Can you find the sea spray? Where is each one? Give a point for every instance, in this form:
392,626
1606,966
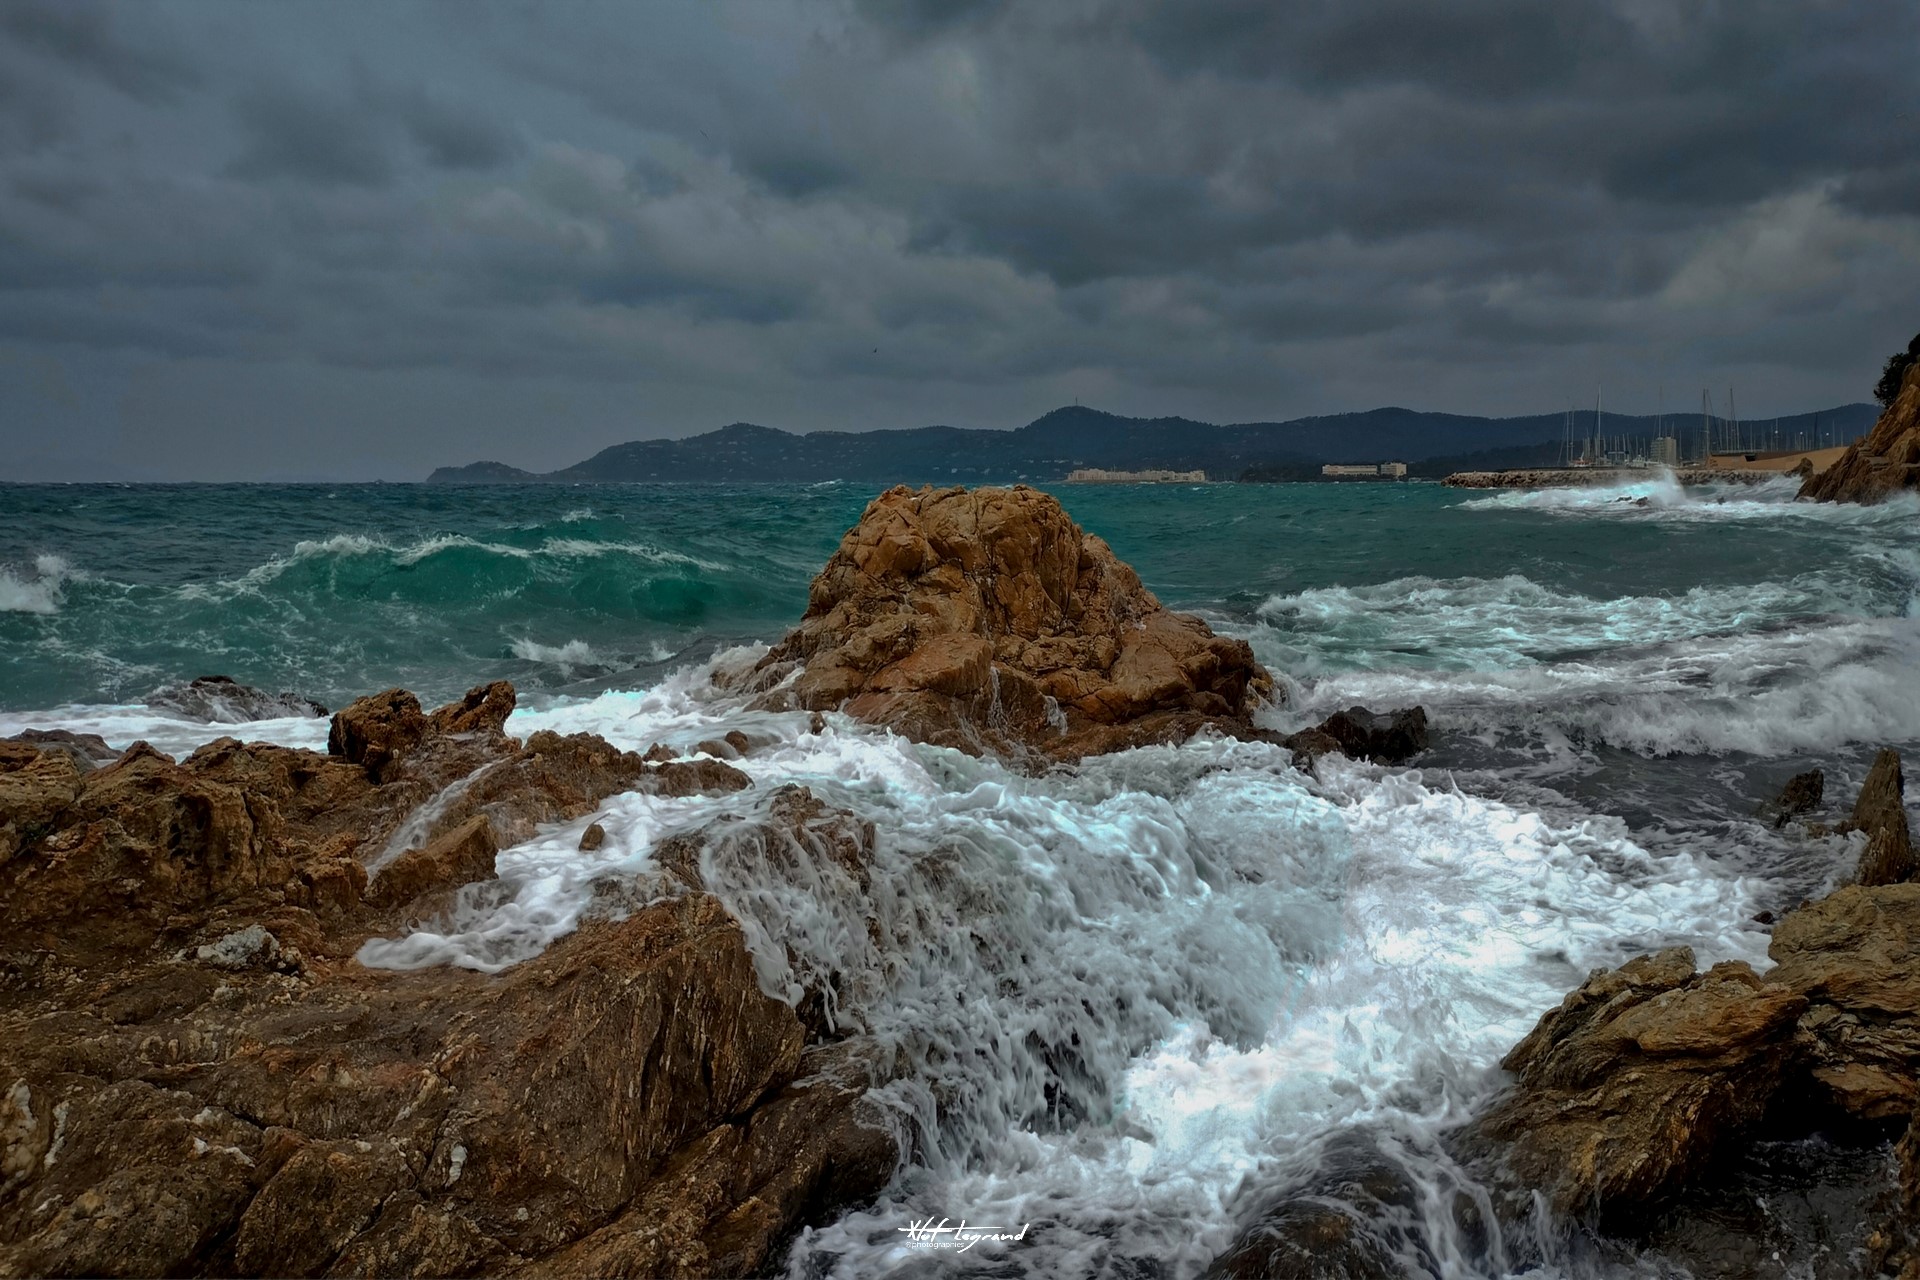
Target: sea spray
1121,997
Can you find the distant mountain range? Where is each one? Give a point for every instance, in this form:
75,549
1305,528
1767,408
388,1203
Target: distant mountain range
1047,448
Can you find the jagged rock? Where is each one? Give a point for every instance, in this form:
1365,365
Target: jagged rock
1855,955
989,621
87,750
1881,812
377,730
224,700
1886,462
195,1078
1802,794
629,1090
1360,734
1636,1082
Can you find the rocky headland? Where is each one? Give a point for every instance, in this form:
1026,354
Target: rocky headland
1887,460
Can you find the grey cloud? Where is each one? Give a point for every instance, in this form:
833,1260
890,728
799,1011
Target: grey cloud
875,214
292,133
85,38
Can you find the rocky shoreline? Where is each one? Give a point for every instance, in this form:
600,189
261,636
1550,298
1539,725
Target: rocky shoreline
1886,461
198,1078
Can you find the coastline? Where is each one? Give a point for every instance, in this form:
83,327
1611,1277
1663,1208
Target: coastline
445,812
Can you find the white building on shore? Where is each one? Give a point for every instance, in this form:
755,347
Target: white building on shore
1364,470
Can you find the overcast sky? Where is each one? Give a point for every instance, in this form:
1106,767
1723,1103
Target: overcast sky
305,240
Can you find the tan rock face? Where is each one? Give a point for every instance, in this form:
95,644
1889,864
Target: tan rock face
1886,462
987,620
196,1079
1647,1073
1638,1079
1856,955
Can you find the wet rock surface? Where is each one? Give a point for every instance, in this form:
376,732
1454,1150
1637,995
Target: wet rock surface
1800,796
224,700
1359,734
1881,813
1663,1105
987,620
197,1079
1638,1081
1362,1217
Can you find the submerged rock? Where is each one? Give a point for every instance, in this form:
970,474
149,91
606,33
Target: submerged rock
989,621
1361,1217
224,700
1801,795
1360,734
1881,812
88,750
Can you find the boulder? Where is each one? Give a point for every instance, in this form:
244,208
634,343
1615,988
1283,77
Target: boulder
377,730
1885,462
1881,813
1635,1083
987,620
224,700
1360,734
88,750
1855,955
1801,795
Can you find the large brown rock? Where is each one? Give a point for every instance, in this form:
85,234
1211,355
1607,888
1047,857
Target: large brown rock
1637,1081
987,620
1855,955
1885,462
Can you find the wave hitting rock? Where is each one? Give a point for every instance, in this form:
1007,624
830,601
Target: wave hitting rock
988,620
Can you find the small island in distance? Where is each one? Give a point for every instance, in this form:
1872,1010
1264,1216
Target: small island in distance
1076,438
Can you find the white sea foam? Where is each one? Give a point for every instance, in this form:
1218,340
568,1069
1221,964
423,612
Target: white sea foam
125,724
37,590
1771,693
1512,621
1659,497
1124,993
574,655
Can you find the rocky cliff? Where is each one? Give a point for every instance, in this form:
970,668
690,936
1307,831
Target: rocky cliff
197,1079
1886,462
988,620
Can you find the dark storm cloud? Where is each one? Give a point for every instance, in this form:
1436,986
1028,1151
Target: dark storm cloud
537,231
85,40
